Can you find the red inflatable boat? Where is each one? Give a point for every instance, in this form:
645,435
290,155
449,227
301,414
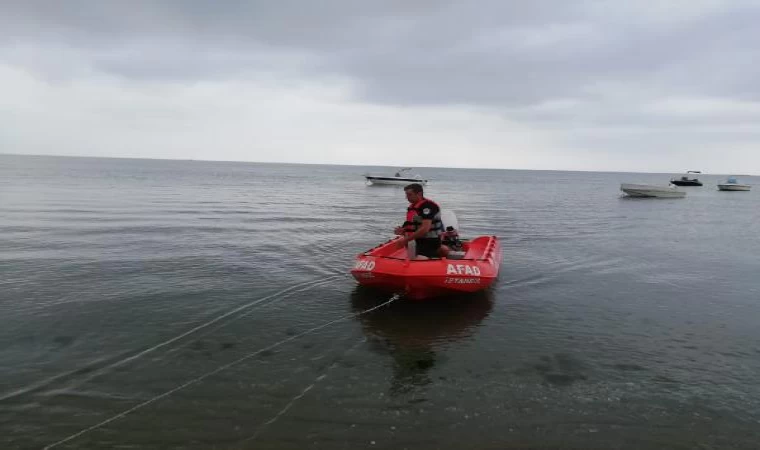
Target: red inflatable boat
389,268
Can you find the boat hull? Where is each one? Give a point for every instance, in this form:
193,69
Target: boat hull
647,191
387,268
734,187
394,180
686,183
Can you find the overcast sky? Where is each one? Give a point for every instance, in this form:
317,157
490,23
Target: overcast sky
660,86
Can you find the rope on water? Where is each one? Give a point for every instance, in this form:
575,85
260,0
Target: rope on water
299,396
217,370
279,295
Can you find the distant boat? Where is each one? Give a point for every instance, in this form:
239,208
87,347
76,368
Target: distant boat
651,191
732,184
399,178
687,180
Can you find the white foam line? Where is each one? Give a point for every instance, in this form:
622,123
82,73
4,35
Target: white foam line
215,371
290,404
282,294
301,289
43,383
300,396
308,284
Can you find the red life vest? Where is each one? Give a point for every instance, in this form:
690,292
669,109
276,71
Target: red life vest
410,226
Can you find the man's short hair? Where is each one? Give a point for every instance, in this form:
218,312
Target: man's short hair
414,187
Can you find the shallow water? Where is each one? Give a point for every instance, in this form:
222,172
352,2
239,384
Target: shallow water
185,304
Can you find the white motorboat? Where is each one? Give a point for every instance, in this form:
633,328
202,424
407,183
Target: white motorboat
399,178
651,191
732,184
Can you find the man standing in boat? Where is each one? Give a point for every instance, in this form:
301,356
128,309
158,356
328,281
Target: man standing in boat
423,224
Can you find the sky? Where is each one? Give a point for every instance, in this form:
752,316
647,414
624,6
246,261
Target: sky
608,85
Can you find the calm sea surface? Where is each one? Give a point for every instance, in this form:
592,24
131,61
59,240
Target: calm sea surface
181,304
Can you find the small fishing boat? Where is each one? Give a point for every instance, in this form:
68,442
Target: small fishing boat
732,184
689,179
402,177
389,268
651,191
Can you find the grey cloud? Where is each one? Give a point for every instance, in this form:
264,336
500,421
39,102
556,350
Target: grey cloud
676,60
509,56
344,36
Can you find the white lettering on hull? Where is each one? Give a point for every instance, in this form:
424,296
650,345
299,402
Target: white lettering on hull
364,264
462,281
462,269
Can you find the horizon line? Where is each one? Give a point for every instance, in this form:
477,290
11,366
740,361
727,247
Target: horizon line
356,165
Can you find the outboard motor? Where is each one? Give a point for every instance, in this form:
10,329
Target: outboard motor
450,238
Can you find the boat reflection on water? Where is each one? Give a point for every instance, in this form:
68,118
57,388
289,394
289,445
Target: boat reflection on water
412,333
